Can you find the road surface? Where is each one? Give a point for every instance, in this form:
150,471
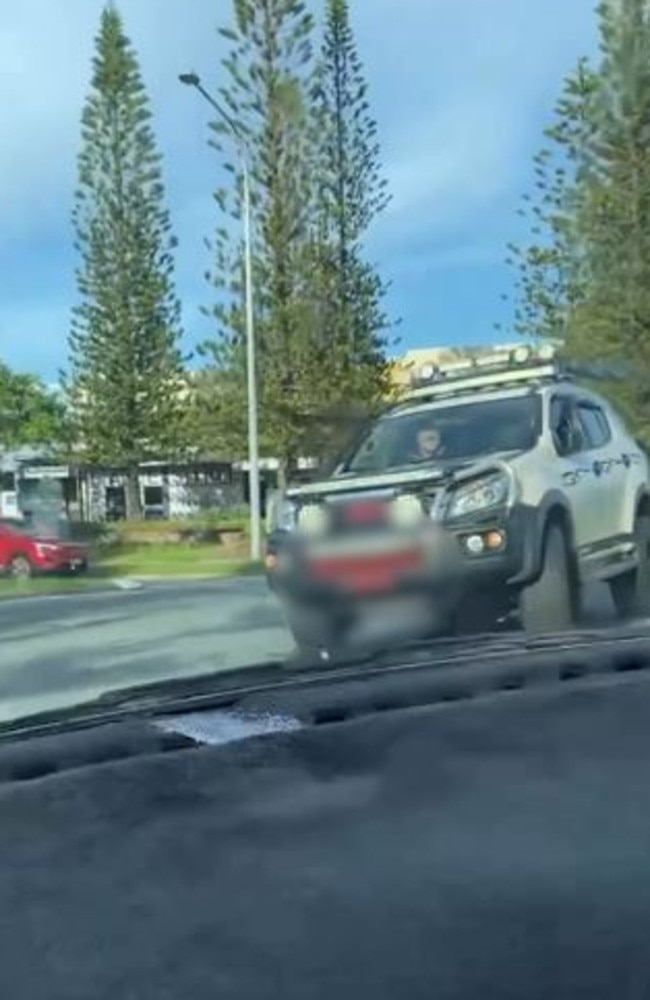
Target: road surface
60,649
56,648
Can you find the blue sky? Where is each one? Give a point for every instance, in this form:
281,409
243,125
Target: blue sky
461,90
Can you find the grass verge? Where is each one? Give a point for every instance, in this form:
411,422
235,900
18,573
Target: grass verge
172,560
49,585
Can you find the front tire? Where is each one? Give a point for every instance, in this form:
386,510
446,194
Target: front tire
631,591
551,603
314,629
482,613
20,568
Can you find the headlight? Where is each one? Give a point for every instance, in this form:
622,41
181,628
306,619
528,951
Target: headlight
282,514
481,494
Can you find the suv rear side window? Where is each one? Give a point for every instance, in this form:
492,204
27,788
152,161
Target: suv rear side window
568,433
595,425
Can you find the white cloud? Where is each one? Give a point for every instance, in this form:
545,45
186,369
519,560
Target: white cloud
462,99
447,167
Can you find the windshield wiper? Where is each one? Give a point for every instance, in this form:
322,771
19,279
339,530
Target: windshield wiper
225,689
222,688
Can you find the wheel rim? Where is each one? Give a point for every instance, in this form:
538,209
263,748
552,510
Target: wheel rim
20,568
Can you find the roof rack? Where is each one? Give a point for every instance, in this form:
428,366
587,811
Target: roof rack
517,367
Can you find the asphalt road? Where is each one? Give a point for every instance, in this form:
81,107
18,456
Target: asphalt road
54,650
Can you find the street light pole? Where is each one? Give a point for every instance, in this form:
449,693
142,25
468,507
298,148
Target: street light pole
192,80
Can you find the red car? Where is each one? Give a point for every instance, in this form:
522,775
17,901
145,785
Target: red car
25,552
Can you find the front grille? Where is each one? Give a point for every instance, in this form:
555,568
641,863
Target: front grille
359,515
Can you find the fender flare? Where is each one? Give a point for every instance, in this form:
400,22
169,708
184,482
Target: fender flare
553,505
641,499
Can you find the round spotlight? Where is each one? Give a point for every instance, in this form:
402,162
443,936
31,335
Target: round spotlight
474,544
406,510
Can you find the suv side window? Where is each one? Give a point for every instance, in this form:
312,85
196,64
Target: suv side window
595,425
567,432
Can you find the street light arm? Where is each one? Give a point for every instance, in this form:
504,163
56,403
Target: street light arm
232,125
194,80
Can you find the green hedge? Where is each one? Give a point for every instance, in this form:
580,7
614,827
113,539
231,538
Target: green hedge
229,534
206,527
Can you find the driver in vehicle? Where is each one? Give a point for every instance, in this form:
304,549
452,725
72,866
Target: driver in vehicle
428,445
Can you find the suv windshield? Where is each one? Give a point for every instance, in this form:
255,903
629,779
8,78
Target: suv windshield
454,432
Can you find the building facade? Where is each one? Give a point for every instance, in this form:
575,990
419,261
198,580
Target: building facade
93,493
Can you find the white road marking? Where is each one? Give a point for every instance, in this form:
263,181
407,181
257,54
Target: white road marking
127,583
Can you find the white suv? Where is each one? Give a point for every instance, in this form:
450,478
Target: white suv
492,485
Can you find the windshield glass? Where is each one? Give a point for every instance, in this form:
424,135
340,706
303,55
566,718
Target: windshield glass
448,433
214,290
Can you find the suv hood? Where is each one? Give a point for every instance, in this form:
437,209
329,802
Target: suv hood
438,473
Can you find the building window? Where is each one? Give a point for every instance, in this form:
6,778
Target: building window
153,496
115,503
70,491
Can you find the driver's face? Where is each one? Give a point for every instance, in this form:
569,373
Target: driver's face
428,442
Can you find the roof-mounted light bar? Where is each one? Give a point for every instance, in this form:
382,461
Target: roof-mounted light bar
523,364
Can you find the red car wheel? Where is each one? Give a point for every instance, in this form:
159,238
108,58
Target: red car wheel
20,568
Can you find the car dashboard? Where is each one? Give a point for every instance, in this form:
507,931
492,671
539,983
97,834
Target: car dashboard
478,830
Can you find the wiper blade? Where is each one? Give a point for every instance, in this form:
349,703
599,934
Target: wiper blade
426,651
216,682
225,689
222,687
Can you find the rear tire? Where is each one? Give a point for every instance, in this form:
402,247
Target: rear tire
631,591
551,603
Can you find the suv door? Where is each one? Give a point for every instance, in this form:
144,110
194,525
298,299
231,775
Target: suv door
586,491
607,465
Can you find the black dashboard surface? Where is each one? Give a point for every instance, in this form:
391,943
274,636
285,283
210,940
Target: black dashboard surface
498,850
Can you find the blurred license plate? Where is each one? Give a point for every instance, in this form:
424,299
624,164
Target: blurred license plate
367,573
373,545
393,617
